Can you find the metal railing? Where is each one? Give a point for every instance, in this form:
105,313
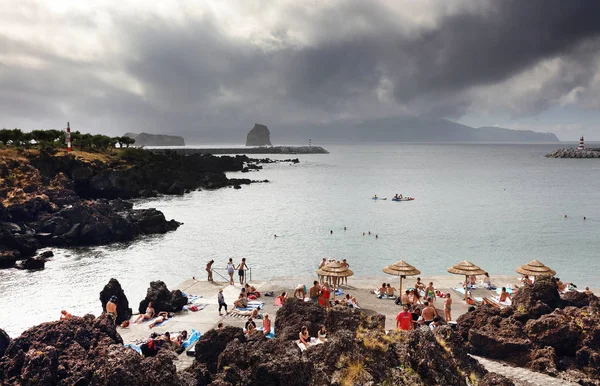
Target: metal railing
225,275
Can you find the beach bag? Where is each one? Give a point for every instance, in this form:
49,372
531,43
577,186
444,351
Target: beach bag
194,308
470,301
252,297
269,293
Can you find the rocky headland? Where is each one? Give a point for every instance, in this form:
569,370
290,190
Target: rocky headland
248,150
542,330
145,139
59,199
574,153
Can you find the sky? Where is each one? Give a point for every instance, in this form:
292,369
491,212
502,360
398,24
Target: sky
210,69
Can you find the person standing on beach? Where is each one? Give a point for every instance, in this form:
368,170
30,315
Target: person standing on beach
404,319
221,299
448,308
345,278
111,309
230,270
314,292
428,313
209,270
241,270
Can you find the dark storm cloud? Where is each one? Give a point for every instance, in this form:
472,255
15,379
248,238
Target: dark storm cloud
193,76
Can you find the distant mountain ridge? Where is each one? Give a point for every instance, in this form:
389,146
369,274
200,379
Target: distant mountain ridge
407,129
145,139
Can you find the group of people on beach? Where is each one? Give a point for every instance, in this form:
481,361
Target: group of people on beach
241,268
422,312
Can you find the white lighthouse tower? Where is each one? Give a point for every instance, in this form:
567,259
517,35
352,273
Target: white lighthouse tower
581,147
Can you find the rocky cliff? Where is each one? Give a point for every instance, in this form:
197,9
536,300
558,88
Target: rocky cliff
145,139
258,136
544,331
75,199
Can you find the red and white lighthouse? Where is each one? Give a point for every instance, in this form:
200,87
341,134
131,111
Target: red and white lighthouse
581,147
68,137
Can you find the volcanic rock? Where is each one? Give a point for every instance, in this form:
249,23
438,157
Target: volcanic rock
259,136
4,341
537,300
297,313
211,344
162,299
113,288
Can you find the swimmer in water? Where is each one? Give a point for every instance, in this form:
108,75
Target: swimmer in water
369,233
376,236
331,232
275,236
344,228
565,216
584,218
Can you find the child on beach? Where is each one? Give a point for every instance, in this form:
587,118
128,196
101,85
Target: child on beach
221,300
430,291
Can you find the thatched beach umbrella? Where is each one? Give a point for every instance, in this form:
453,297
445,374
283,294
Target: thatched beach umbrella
466,268
334,270
535,268
402,269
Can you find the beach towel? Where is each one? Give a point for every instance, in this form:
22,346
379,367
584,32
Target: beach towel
271,333
385,297
192,299
193,338
460,290
313,342
135,347
338,292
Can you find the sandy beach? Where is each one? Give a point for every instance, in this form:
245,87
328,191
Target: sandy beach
359,287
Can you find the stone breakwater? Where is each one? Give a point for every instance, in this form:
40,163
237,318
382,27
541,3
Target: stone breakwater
252,150
574,153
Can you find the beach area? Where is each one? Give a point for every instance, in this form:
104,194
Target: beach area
360,288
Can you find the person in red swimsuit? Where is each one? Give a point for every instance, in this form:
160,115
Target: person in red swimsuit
404,319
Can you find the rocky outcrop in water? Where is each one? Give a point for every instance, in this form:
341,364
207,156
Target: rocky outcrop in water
542,331
63,200
162,299
82,351
359,352
113,288
258,136
574,153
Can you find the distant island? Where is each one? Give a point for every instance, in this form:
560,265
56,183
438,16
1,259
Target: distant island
407,129
145,139
259,136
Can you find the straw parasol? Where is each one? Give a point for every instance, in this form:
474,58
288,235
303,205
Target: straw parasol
535,268
401,268
334,270
466,268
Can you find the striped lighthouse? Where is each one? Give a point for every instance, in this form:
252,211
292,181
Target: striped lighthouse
68,138
581,147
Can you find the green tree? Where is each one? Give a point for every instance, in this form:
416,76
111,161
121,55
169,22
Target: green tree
127,141
5,136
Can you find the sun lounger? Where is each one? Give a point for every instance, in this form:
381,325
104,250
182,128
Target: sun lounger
494,302
384,297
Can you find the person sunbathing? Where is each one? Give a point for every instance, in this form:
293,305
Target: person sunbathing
252,314
162,316
504,295
266,324
281,299
322,334
588,291
389,291
304,337
560,285
182,337
65,315
487,282
250,326
241,302
526,280
148,315
251,290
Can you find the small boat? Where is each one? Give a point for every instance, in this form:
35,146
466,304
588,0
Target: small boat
403,199
379,198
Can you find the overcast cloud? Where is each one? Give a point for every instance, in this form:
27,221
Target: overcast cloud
208,69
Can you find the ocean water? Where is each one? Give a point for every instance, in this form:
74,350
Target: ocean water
498,206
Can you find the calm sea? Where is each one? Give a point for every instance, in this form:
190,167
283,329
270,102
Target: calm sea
498,206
